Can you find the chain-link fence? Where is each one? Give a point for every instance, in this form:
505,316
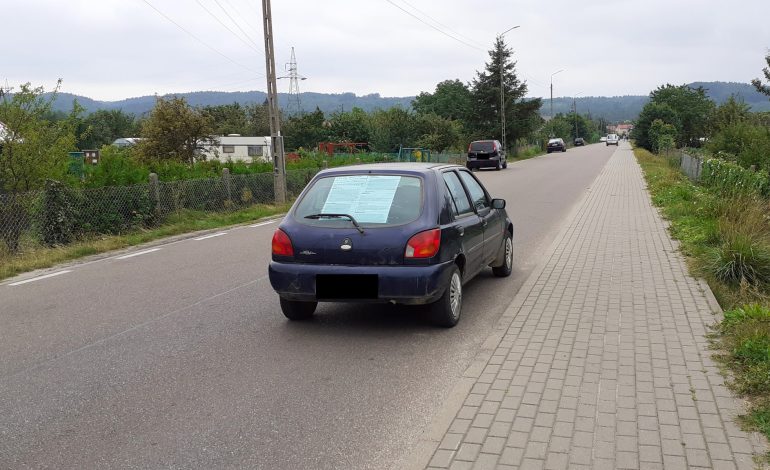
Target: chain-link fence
60,214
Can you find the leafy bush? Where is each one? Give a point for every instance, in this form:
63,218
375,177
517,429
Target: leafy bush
745,143
114,210
731,179
116,167
58,214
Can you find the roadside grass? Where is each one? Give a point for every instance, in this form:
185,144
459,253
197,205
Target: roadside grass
36,256
726,239
527,153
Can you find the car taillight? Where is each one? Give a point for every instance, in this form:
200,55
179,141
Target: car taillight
424,244
282,244
469,147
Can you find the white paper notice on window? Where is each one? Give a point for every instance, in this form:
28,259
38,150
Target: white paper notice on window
366,197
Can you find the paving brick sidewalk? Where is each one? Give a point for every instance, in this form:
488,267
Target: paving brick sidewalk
601,361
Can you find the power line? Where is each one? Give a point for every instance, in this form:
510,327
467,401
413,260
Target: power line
250,46
433,27
441,24
237,25
200,40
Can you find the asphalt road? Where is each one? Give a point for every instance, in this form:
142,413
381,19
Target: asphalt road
180,357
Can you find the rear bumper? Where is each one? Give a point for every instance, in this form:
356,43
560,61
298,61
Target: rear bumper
412,285
483,163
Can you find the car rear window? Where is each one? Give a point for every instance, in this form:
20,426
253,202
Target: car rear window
373,200
482,146
554,141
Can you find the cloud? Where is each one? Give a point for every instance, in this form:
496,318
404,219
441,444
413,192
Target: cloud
114,49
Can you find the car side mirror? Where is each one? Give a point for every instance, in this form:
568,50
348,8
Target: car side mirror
498,203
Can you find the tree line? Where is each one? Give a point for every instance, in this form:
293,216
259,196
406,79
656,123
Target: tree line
37,139
684,116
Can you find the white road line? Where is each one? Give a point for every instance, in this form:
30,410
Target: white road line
40,277
138,253
263,223
218,234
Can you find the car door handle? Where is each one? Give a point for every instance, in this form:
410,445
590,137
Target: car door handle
461,230
484,223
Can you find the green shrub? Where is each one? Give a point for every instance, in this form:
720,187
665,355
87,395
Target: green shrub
116,168
114,210
747,144
58,213
731,179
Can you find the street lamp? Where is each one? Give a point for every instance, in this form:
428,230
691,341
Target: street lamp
558,71
502,87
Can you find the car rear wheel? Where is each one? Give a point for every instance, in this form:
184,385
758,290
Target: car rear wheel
297,310
505,164
446,310
498,166
507,266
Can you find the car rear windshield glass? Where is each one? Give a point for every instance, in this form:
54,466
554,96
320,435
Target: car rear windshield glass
483,146
372,200
554,141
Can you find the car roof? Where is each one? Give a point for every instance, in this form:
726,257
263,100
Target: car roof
392,167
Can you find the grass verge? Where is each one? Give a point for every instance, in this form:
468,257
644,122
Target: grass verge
34,256
726,239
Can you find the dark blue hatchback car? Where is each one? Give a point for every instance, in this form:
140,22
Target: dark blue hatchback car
406,233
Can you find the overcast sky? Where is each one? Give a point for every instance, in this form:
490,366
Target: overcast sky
115,49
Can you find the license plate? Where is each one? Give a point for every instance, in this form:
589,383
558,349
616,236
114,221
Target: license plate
346,286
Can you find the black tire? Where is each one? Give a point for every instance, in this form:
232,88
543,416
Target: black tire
297,310
507,267
498,166
505,164
565,149
446,310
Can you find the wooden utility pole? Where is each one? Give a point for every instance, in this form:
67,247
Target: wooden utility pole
273,111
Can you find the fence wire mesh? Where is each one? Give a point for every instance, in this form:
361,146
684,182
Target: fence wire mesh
60,214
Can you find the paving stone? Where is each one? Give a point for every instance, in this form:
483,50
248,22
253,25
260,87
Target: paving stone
603,360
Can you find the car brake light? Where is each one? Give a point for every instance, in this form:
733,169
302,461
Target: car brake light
424,244
282,244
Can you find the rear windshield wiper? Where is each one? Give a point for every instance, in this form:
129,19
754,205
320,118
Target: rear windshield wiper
336,216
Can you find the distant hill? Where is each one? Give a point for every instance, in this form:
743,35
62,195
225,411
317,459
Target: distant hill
328,103
613,109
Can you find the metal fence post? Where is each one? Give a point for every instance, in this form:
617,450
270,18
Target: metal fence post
226,181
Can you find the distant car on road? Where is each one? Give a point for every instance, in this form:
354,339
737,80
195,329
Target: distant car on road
603,138
579,141
556,144
486,154
612,139
405,233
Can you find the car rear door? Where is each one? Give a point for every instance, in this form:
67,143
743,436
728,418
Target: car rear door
491,219
468,222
